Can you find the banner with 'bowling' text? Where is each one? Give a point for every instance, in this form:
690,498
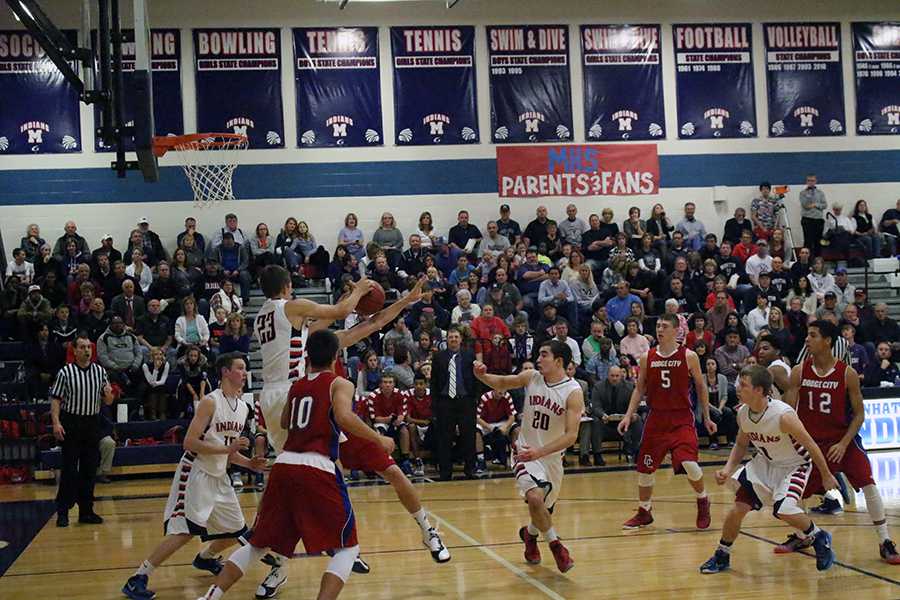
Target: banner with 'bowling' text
577,170
805,79
876,58
531,96
239,83
714,80
434,85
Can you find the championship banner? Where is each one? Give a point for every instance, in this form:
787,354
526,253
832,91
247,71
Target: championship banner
165,61
714,80
876,60
623,90
531,95
805,80
39,110
239,84
577,170
338,87
434,85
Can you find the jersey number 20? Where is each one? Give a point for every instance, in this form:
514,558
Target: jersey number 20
541,421
301,412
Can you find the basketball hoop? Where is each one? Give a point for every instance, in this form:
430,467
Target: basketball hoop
208,160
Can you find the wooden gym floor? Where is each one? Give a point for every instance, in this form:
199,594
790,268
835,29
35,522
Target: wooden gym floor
479,521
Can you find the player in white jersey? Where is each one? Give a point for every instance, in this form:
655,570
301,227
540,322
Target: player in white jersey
769,353
553,407
777,475
201,500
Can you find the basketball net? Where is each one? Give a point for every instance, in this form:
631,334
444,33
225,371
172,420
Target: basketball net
208,161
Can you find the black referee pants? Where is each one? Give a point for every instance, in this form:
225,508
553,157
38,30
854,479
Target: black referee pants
448,415
80,458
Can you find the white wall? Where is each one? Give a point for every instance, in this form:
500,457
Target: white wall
326,214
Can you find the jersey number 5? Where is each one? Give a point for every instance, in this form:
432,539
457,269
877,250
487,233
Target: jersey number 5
301,412
664,379
824,402
265,327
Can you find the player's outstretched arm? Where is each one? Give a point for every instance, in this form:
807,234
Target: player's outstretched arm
791,424
193,441
693,363
300,308
791,396
501,383
342,405
640,389
854,394
574,410
378,321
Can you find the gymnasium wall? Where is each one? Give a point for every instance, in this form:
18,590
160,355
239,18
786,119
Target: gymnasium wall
321,185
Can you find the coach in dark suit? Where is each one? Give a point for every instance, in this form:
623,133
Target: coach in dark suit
129,305
454,393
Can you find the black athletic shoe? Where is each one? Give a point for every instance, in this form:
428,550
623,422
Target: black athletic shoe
213,565
136,588
720,561
90,519
62,520
824,554
828,507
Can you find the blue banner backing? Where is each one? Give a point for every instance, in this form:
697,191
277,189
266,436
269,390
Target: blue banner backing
714,80
434,85
239,83
805,79
165,59
531,91
338,87
623,89
876,61
39,110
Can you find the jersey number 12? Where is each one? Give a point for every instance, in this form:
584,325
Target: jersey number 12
824,402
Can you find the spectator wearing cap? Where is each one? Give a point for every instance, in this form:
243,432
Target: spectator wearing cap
829,308
732,355
152,244
34,311
843,289
106,249
812,214
190,228
736,226
763,211
231,226
861,302
235,262
461,233
32,242
20,268
507,226
71,233
883,368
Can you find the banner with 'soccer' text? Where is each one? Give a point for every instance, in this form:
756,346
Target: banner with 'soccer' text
165,59
577,170
623,90
805,79
876,58
239,83
338,87
714,80
531,96
434,85
39,110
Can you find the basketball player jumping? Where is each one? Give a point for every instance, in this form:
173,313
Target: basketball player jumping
202,501
665,378
826,394
777,475
282,328
553,407
306,498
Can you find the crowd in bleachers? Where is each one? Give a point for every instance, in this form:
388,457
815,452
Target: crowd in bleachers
158,316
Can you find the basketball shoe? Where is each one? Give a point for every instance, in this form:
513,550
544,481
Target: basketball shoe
532,552
564,562
272,583
641,519
433,542
824,554
720,561
793,543
703,518
888,552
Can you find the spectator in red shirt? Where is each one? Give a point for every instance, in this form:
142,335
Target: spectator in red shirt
497,356
485,327
745,248
698,331
387,411
418,416
496,427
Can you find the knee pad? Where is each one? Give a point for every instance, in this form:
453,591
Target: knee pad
341,564
646,479
787,506
693,470
243,556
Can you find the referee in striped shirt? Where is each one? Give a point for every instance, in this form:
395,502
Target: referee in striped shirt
75,409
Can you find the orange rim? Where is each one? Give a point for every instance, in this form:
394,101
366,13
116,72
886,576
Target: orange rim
167,143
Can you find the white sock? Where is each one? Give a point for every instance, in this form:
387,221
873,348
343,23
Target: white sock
645,505
421,518
532,530
701,494
550,535
833,495
812,531
214,593
205,553
146,568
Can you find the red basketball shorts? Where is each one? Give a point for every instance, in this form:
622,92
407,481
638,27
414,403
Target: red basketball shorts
360,454
664,435
855,466
304,503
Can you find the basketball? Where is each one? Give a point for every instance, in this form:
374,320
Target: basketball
372,302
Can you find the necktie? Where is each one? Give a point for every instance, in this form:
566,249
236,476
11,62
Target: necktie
451,387
129,312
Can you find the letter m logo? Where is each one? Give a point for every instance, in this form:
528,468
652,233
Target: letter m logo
717,122
893,118
625,124
240,129
339,129
531,125
437,127
35,136
806,120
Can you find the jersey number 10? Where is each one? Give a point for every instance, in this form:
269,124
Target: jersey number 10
301,412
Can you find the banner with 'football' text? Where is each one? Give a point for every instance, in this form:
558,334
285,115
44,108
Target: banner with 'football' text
577,170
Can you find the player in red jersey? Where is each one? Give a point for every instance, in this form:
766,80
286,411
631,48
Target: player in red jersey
665,378
826,394
387,413
496,426
306,497
418,416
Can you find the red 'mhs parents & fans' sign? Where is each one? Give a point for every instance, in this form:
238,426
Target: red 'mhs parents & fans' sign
578,170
